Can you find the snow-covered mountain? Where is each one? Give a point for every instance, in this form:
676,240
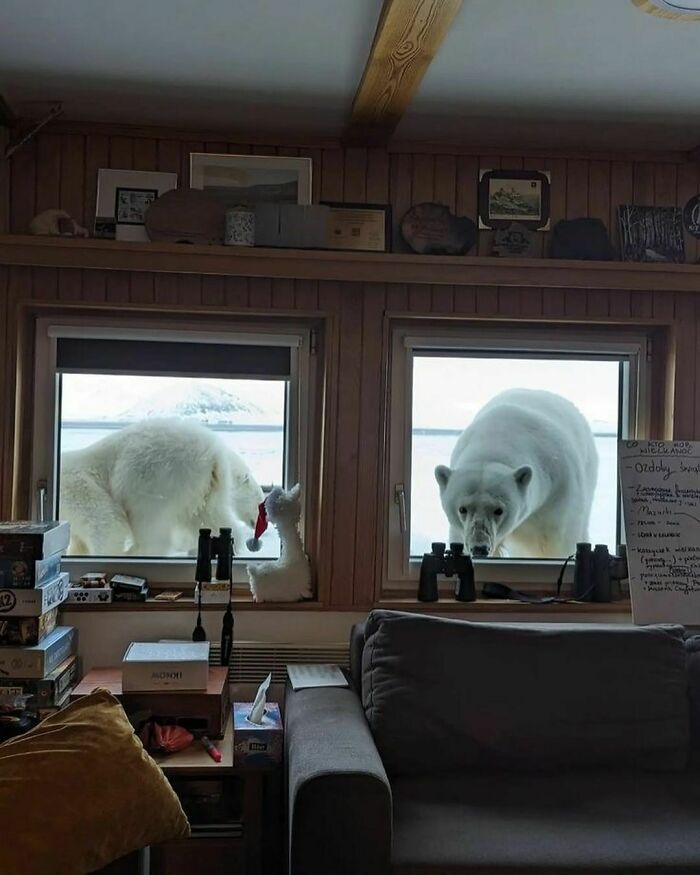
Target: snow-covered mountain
113,398
203,403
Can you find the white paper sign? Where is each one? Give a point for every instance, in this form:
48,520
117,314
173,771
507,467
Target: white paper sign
660,483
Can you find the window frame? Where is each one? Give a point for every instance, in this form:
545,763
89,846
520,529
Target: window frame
400,572
300,437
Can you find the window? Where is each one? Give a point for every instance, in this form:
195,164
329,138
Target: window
158,431
439,384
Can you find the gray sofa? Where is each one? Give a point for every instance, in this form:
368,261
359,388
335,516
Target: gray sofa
487,748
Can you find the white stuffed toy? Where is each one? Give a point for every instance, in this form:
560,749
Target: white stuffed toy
289,578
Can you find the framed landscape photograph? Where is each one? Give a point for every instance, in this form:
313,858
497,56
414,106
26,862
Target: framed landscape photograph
123,196
235,180
507,196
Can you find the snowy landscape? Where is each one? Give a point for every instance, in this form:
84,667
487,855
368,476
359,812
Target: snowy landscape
448,391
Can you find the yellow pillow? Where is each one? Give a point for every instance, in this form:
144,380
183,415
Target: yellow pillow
79,791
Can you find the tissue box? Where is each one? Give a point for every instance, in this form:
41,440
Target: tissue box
257,744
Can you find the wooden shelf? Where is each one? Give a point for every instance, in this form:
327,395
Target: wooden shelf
346,266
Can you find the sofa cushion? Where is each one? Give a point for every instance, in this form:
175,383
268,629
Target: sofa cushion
445,694
78,792
578,822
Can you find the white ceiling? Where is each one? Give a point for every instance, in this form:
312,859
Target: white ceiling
512,73
563,72
218,64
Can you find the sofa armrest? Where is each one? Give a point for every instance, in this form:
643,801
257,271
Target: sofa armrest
338,792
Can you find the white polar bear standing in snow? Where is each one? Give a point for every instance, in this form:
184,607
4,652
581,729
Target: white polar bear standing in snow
146,490
522,477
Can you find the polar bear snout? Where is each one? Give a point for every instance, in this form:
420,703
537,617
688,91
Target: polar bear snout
478,538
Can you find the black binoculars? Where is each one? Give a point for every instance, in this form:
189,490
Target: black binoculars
219,547
448,563
597,574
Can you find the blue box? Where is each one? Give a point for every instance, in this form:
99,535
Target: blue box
257,744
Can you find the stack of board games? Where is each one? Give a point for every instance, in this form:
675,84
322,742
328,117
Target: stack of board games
37,657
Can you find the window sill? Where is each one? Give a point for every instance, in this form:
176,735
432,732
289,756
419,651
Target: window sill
503,606
187,603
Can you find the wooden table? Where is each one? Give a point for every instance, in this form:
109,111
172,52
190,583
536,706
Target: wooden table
235,843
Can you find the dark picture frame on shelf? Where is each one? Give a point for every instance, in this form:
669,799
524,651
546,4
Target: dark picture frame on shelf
651,234
130,204
507,196
359,227
123,197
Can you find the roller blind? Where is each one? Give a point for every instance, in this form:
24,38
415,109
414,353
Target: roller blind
75,355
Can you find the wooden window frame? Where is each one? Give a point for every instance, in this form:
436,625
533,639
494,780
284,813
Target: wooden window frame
399,573
303,405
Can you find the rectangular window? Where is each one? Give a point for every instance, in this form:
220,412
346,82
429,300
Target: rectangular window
537,418
157,432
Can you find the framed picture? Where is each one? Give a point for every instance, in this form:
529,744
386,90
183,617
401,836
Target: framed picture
362,227
130,204
507,196
652,234
123,196
235,180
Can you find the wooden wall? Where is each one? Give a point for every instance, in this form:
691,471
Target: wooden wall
60,169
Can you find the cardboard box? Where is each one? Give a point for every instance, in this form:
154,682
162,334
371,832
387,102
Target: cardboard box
204,712
46,692
19,573
214,592
166,665
27,631
292,225
40,660
257,744
34,602
24,539
89,595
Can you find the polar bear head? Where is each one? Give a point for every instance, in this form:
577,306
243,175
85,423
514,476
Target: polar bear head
485,502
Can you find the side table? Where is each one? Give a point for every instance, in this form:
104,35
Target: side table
235,812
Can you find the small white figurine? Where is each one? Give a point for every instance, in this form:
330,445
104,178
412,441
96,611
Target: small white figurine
289,578
56,223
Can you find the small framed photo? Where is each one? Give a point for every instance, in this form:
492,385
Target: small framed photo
507,196
361,227
123,196
236,180
130,204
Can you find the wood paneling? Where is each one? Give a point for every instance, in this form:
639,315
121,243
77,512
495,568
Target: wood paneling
59,169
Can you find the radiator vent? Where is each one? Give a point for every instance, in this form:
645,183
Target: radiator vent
251,661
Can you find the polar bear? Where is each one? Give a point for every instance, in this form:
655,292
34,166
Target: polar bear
147,489
522,477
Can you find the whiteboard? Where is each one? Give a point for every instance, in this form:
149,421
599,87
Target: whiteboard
660,482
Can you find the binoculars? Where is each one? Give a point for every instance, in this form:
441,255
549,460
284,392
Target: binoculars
447,562
597,574
219,547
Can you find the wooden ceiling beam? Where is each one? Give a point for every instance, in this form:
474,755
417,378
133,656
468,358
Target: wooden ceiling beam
409,35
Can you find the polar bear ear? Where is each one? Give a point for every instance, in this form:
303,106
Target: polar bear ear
523,476
442,475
